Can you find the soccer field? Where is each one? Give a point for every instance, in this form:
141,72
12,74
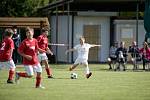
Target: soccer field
102,85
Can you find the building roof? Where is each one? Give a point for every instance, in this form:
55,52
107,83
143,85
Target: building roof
97,5
34,22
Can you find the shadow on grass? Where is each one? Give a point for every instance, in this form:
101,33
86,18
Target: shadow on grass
55,78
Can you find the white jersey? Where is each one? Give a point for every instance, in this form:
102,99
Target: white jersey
83,50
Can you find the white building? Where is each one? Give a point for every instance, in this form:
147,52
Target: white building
98,27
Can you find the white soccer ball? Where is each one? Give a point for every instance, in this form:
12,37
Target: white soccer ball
74,76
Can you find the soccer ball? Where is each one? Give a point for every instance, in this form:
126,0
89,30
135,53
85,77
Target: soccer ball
74,76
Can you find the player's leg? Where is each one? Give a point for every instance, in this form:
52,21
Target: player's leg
76,63
73,67
47,68
87,70
144,63
109,62
11,66
14,56
27,74
38,70
44,59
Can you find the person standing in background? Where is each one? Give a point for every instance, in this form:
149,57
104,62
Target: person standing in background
17,40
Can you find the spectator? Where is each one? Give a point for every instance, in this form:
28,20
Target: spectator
121,53
145,51
17,40
135,54
112,54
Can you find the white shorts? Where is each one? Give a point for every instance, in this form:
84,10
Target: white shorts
8,64
81,61
30,69
42,56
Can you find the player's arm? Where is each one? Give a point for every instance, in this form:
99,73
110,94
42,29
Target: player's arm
95,45
20,51
48,51
37,46
70,50
11,53
41,50
24,55
11,47
18,37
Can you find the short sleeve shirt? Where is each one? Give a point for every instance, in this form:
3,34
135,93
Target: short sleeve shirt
83,50
5,49
42,42
29,47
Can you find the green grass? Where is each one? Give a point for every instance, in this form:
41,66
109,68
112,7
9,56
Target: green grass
103,85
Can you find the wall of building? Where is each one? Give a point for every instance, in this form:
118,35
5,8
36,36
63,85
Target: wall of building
61,37
104,22
130,24
126,30
77,22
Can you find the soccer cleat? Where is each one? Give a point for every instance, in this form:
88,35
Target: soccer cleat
50,76
88,75
70,69
110,68
10,81
17,78
41,87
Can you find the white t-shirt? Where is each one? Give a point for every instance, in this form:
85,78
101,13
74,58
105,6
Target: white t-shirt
83,50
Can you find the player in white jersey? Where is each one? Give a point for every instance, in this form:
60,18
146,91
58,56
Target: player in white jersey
83,51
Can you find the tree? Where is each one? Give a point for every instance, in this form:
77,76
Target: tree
21,8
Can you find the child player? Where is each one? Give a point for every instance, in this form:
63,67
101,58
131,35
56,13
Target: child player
43,44
6,50
28,49
83,51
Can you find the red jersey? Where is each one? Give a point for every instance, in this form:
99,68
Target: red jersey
145,53
5,49
29,47
42,42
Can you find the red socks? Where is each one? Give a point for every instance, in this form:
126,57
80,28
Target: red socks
11,74
38,81
48,70
22,74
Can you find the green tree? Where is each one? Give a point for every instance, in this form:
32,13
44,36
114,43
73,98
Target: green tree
21,8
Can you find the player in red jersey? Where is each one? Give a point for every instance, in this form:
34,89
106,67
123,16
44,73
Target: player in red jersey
43,44
28,49
6,50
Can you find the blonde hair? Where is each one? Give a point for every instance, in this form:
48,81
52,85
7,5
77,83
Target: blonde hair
82,38
28,29
9,32
146,44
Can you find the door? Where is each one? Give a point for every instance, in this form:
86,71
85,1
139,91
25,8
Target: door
128,36
91,34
